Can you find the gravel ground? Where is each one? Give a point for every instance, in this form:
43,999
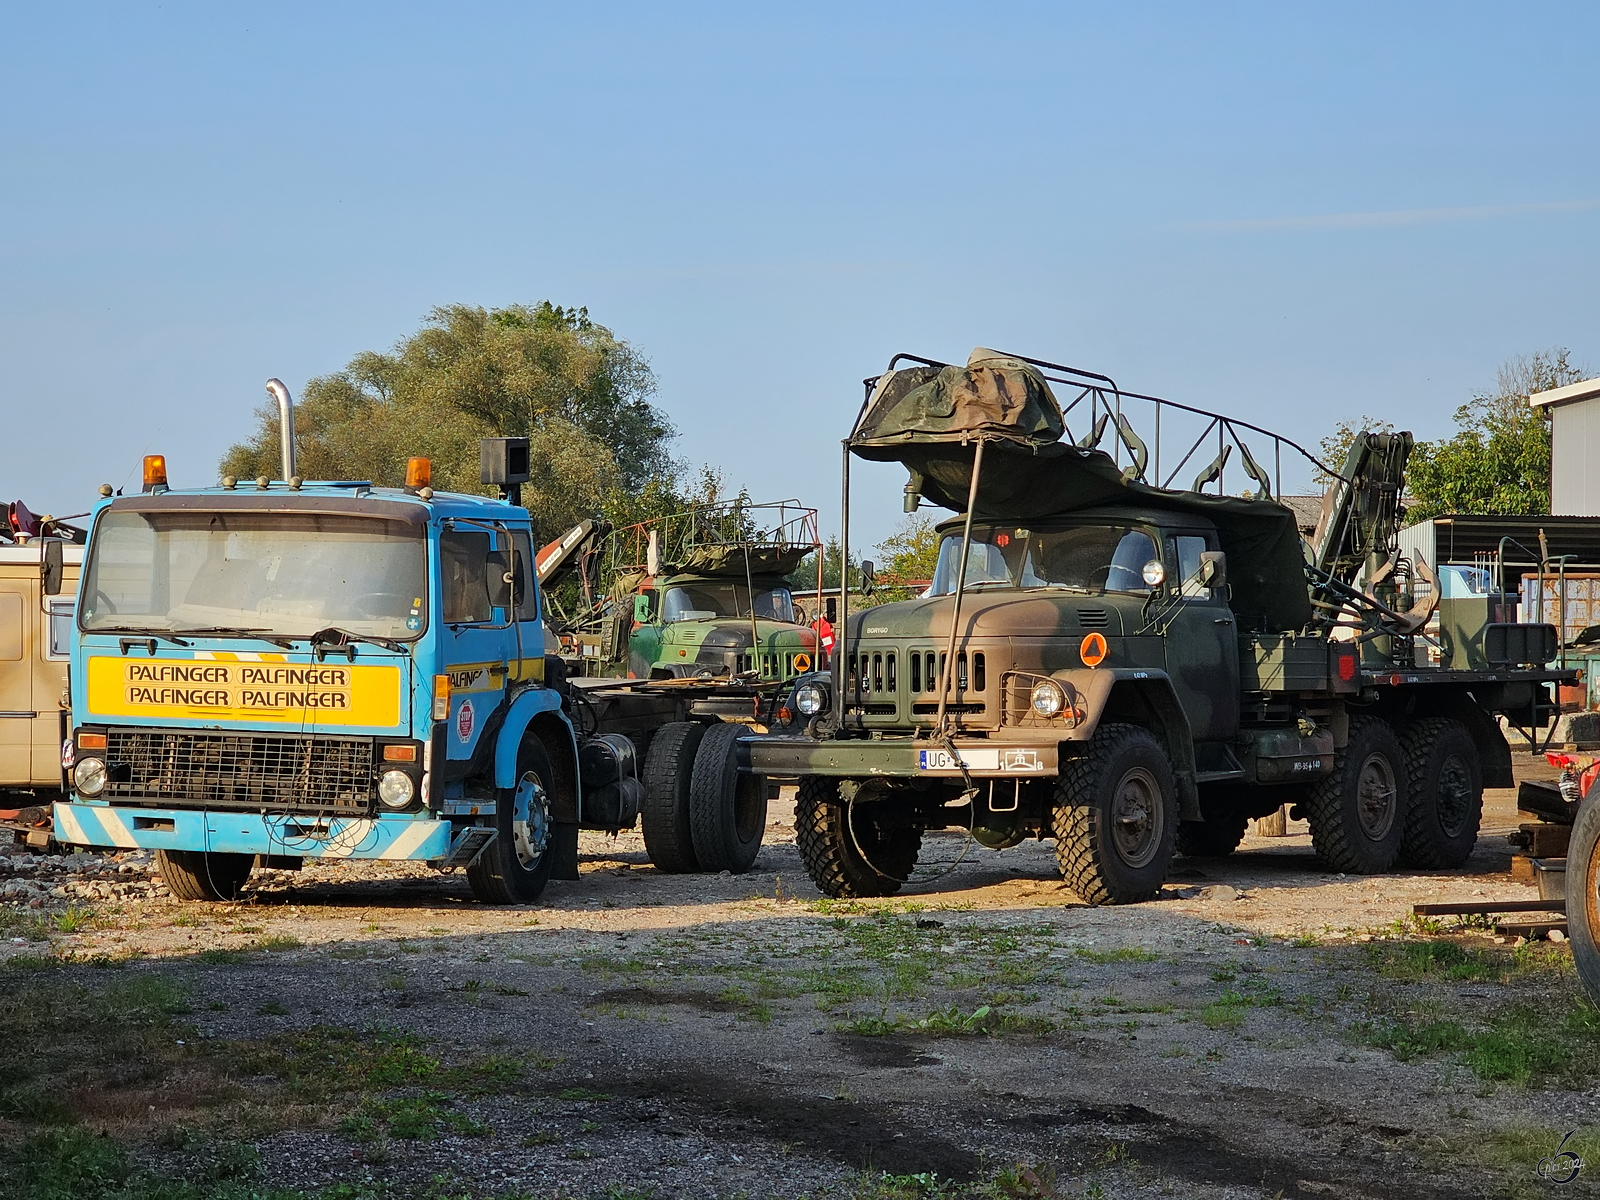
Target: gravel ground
722,1036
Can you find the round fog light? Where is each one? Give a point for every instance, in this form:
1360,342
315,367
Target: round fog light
395,789
1048,699
810,699
89,776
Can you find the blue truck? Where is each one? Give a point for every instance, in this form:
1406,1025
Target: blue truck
273,670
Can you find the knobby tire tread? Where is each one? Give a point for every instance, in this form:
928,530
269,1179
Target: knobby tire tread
828,854
1419,847
1078,851
1330,839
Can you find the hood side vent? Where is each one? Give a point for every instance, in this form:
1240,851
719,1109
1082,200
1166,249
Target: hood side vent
1093,618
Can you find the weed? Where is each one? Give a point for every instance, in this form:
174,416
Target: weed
1522,1044
272,1008
952,1022
583,1094
74,919
1226,973
278,941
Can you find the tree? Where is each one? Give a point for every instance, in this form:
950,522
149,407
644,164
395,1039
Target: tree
1498,462
597,445
911,552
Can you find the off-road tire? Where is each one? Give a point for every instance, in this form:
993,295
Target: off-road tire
1215,837
201,875
498,875
1124,768
1583,894
1444,793
727,807
664,811
1334,807
882,864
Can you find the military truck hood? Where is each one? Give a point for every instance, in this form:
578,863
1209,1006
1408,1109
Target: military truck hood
735,635
996,613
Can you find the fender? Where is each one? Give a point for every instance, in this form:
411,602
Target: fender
527,705
1144,696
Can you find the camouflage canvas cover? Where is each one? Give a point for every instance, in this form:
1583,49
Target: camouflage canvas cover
729,561
1029,474
992,396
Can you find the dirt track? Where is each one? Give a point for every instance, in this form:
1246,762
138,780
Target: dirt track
738,1035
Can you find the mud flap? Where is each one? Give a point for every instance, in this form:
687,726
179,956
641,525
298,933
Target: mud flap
564,850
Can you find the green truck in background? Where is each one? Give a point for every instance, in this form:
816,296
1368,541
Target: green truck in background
680,635
1131,669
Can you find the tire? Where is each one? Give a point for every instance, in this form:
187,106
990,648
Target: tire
664,811
1215,837
1583,899
514,868
848,848
1358,814
1444,794
727,807
201,875
1115,817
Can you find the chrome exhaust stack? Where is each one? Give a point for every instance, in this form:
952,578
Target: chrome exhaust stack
278,392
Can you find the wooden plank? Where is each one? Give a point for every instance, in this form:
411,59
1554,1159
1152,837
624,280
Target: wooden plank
1485,907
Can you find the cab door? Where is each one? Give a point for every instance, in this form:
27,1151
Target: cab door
1202,641
478,640
18,634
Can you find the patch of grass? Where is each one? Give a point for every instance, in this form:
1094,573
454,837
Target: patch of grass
1525,1146
925,1185
582,1094
1120,955
278,941
272,1008
1436,959
1522,1044
422,1117
952,1022
1226,1012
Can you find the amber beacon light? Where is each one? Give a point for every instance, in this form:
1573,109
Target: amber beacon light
419,473
155,471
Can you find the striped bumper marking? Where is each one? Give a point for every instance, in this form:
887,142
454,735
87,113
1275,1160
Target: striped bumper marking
252,833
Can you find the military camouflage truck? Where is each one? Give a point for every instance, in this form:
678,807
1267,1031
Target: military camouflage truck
1132,669
680,634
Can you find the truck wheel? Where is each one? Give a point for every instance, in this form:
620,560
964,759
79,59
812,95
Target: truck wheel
1583,894
1358,814
727,807
849,850
1445,793
664,812
1215,837
514,868
1115,818
200,875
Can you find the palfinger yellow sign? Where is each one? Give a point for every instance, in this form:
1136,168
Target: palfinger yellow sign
235,690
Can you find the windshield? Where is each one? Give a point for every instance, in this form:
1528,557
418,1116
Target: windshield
1091,558
285,575
707,601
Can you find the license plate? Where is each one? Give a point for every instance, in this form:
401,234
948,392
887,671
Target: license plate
980,759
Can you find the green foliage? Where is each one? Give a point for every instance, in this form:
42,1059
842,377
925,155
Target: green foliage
580,394
1522,1044
910,553
1335,448
1499,460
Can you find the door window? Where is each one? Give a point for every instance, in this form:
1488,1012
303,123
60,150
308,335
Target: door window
60,644
463,563
1185,549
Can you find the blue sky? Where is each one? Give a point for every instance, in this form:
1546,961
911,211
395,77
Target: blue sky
1293,213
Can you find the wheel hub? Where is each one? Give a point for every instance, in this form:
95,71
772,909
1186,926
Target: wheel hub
1137,817
1375,797
530,822
1455,796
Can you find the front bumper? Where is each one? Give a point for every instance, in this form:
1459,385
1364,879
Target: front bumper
779,754
251,833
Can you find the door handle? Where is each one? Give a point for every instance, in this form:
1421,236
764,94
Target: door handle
1222,620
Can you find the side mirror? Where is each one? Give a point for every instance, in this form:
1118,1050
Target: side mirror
832,610
52,570
869,577
501,578
1213,568
643,608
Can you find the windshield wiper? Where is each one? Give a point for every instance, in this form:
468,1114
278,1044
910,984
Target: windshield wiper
160,634
335,637
262,635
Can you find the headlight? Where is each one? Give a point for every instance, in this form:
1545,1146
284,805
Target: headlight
395,789
810,699
89,776
1049,699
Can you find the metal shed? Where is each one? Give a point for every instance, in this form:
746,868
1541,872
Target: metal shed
1574,445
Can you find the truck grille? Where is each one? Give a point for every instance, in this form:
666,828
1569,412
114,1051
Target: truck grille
233,770
876,683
